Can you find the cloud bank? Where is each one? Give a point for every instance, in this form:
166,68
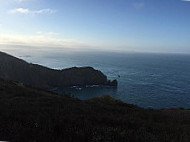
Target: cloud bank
39,40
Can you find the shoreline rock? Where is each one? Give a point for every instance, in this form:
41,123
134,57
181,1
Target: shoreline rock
113,83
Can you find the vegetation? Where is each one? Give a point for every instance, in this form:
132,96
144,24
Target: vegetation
30,114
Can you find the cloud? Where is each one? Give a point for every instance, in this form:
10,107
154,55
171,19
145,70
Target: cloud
19,0
27,11
39,40
138,5
19,10
186,0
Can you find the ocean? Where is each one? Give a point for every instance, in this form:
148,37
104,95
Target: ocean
149,80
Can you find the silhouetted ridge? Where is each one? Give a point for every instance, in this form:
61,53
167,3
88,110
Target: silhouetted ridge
35,75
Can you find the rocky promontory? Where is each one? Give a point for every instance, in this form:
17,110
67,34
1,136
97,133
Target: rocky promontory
15,69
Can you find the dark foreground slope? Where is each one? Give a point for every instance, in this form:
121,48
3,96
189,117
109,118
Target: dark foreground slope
33,115
12,68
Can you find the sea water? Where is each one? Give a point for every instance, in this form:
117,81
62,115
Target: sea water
146,79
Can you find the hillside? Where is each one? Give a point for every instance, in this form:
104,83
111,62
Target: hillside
12,68
27,114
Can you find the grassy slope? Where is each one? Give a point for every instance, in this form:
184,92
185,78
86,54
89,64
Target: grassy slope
28,114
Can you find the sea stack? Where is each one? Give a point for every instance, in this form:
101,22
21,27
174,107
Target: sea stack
113,83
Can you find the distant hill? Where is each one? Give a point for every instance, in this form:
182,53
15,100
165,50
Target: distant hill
30,115
12,68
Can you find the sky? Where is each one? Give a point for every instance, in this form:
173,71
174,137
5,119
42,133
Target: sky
123,25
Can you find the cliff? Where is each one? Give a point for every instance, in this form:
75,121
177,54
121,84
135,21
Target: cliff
12,68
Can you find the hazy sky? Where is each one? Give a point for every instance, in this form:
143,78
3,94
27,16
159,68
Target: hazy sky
131,25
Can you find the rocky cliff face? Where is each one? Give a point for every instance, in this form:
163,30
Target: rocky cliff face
12,68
